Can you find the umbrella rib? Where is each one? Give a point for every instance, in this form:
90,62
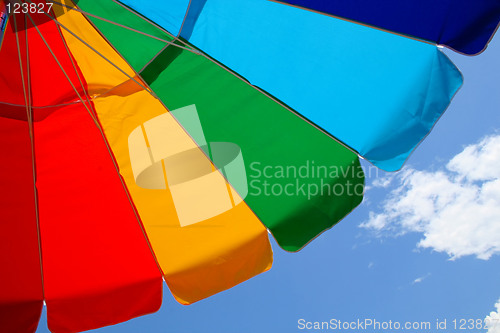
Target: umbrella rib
110,152
186,46
59,64
96,122
30,127
201,53
76,71
143,84
159,100
177,38
93,49
97,52
238,76
122,26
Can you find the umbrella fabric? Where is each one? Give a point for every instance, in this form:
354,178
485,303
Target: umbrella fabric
377,92
97,231
465,26
150,140
226,249
21,292
88,243
256,125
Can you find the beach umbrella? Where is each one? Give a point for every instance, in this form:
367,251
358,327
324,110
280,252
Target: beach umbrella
144,140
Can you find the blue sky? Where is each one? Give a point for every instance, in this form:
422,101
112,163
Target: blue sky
424,245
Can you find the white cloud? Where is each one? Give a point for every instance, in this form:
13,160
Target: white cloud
457,209
487,152
383,182
420,279
493,320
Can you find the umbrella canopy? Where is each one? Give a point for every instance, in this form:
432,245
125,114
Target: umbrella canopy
144,141
464,26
